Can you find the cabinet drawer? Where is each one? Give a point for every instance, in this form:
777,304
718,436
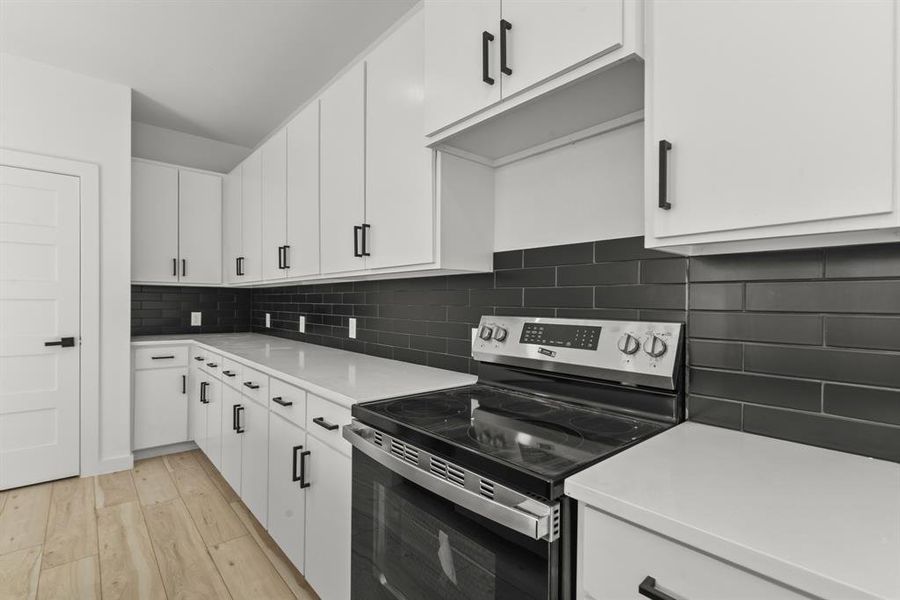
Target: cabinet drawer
232,373
288,401
212,364
324,420
615,557
160,357
255,385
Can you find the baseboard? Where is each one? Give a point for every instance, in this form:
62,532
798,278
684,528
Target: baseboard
163,450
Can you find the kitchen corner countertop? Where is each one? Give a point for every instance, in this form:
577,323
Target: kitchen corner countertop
821,521
337,375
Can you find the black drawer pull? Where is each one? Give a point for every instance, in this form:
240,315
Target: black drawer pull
281,401
238,426
664,147
203,399
184,384
66,342
356,230
212,365
251,385
228,373
301,459
365,245
162,357
184,267
239,266
287,263
648,590
199,358
321,422
174,267
486,39
504,64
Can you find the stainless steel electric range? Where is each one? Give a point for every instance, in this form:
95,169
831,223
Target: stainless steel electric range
458,494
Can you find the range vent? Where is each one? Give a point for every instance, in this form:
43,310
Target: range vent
456,475
404,452
486,488
438,467
379,439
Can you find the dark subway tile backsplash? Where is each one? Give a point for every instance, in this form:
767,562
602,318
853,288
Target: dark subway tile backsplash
799,345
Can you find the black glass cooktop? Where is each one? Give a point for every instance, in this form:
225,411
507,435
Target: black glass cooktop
484,424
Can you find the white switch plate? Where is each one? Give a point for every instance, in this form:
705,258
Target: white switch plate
302,324
196,319
352,327
268,320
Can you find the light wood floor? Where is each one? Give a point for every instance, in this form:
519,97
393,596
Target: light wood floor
170,528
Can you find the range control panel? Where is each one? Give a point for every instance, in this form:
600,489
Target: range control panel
636,352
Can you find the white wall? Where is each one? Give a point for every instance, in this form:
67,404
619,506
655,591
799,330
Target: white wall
50,111
591,190
170,146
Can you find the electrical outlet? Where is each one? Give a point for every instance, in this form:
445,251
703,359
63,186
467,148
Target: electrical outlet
352,327
302,324
196,319
268,320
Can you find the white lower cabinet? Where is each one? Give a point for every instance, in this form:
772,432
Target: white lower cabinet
160,410
254,422
328,520
287,494
616,558
232,403
212,409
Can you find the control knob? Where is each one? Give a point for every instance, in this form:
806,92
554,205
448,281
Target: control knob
628,344
500,334
655,346
486,333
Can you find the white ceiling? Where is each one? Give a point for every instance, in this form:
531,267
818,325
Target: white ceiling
229,70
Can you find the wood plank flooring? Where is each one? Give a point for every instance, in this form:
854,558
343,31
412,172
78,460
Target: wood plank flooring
171,528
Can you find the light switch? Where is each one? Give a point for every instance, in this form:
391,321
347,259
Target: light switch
268,320
302,324
196,319
352,327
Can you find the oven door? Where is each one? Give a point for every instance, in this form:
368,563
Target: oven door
414,543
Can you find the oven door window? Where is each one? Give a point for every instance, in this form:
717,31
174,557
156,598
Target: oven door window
411,544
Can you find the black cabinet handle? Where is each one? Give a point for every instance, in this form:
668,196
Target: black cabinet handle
162,357
664,147
183,267
238,427
287,264
365,244
184,384
321,422
282,401
356,229
302,476
251,385
504,27
228,373
66,342
234,408
280,260
212,365
203,399
199,358
648,590
239,265
486,39
174,267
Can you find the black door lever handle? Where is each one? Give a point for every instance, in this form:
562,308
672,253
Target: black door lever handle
66,342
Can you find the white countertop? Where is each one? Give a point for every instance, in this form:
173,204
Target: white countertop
823,521
337,375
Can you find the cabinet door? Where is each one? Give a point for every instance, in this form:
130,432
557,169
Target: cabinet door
213,408
328,520
197,409
231,438
454,82
231,226
251,222
200,227
287,500
273,157
343,170
771,119
399,198
255,459
154,223
547,37
160,407
303,193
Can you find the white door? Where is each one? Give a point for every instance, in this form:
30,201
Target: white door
255,459
200,227
328,520
160,407
231,227
39,304
546,37
154,223
273,158
455,82
776,112
287,499
343,172
302,253
232,403
213,409
399,197
251,211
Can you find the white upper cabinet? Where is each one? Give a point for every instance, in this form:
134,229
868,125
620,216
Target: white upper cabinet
343,173
154,223
273,155
301,254
399,195
769,120
200,227
231,227
545,37
462,53
251,212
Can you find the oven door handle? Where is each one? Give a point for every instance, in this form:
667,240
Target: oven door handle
537,522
